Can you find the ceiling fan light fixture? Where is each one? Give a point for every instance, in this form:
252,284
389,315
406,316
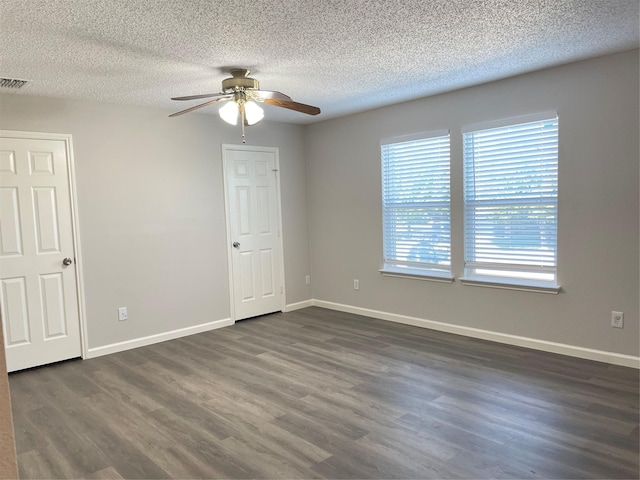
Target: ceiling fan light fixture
229,112
240,92
253,113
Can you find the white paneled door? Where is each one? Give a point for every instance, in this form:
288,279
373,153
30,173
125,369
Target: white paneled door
253,222
38,296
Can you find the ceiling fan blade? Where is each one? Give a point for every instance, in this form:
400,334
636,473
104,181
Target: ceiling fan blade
291,105
227,97
268,94
197,97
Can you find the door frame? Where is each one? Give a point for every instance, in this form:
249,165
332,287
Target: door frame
75,224
227,218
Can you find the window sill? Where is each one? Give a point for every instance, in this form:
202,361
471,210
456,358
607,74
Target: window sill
417,274
511,284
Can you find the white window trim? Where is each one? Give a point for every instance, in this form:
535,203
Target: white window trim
415,136
509,283
504,122
437,273
417,274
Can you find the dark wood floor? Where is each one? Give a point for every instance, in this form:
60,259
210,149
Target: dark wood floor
321,394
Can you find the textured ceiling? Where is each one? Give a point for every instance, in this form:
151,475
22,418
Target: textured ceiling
341,55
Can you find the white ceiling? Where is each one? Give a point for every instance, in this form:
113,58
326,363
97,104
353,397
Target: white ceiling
343,56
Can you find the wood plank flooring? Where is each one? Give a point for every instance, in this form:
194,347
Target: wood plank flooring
321,394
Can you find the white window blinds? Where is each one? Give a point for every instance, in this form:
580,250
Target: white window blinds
416,203
511,200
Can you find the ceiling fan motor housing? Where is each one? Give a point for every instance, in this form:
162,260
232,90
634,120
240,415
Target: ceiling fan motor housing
239,81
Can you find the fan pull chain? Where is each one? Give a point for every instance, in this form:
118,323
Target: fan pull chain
242,119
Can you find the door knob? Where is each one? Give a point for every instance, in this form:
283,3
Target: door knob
236,244
67,261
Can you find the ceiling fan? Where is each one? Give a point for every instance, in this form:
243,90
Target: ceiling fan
244,92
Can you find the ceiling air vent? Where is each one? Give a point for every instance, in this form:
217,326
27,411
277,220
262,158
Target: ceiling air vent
12,83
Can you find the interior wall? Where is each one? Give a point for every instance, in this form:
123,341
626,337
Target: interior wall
8,461
598,257
151,210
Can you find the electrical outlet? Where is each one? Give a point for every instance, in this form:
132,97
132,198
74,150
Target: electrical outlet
307,279
122,314
617,319
356,284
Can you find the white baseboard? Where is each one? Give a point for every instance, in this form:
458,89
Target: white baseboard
297,306
160,337
535,344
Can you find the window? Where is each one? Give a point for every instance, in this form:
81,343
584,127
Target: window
511,201
416,204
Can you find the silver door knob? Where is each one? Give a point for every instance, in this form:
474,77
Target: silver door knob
236,244
67,261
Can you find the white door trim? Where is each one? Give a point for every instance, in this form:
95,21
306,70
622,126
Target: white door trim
75,224
227,217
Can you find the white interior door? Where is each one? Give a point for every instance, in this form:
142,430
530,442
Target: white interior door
38,296
253,226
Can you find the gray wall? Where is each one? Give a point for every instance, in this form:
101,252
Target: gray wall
151,209
598,107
